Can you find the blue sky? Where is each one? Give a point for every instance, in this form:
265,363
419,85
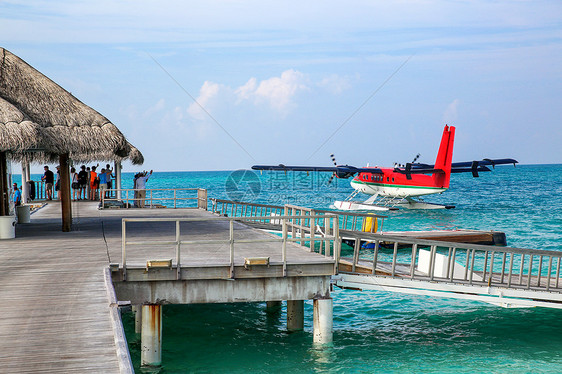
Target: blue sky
278,79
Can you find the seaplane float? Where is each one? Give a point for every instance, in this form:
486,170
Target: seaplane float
402,185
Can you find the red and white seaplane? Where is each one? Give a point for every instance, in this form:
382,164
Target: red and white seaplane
402,185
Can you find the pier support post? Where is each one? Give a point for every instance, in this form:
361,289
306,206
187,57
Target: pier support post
323,321
151,335
137,311
65,192
295,315
24,179
117,185
272,307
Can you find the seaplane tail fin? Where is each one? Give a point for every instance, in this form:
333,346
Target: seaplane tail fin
444,158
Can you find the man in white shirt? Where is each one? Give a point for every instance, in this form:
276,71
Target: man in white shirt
140,186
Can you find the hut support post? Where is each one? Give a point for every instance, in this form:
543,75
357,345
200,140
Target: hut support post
25,176
65,193
4,192
117,167
323,321
295,315
151,335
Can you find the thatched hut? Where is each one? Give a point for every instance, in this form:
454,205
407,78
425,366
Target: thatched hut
42,122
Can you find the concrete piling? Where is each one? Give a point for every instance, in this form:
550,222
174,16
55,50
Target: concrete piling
272,307
295,315
151,335
323,321
137,312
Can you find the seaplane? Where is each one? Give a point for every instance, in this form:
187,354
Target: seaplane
402,185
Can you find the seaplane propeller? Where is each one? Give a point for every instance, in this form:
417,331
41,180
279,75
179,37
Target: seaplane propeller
334,173
342,171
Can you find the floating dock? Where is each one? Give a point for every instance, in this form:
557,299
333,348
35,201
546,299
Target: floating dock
454,236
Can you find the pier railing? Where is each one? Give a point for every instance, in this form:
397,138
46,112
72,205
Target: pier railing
40,192
453,263
326,243
354,221
156,198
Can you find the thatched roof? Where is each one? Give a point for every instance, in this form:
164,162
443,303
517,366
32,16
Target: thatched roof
135,156
38,115
17,132
41,157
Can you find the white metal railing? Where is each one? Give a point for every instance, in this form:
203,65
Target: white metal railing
330,243
456,263
39,189
354,221
167,197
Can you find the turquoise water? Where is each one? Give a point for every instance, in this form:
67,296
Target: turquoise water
378,331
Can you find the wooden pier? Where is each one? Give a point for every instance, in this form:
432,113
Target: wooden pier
57,313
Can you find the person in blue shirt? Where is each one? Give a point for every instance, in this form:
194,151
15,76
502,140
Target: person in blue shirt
103,183
17,195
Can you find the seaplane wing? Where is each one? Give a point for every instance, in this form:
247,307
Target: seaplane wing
477,166
473,167
345,171
342,171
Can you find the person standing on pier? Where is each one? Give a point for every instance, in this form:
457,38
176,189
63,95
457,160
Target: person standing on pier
49,178
75,186
108,172
17,195
82,181
94,182
88,176
140,185
102,176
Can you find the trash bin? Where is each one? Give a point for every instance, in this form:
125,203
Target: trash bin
7,227
23,212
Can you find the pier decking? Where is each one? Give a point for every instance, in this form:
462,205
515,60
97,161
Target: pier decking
56,313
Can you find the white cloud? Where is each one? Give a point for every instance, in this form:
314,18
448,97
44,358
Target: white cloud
246,91
155,108
451,113
278,92
207,93
335,84
176,20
